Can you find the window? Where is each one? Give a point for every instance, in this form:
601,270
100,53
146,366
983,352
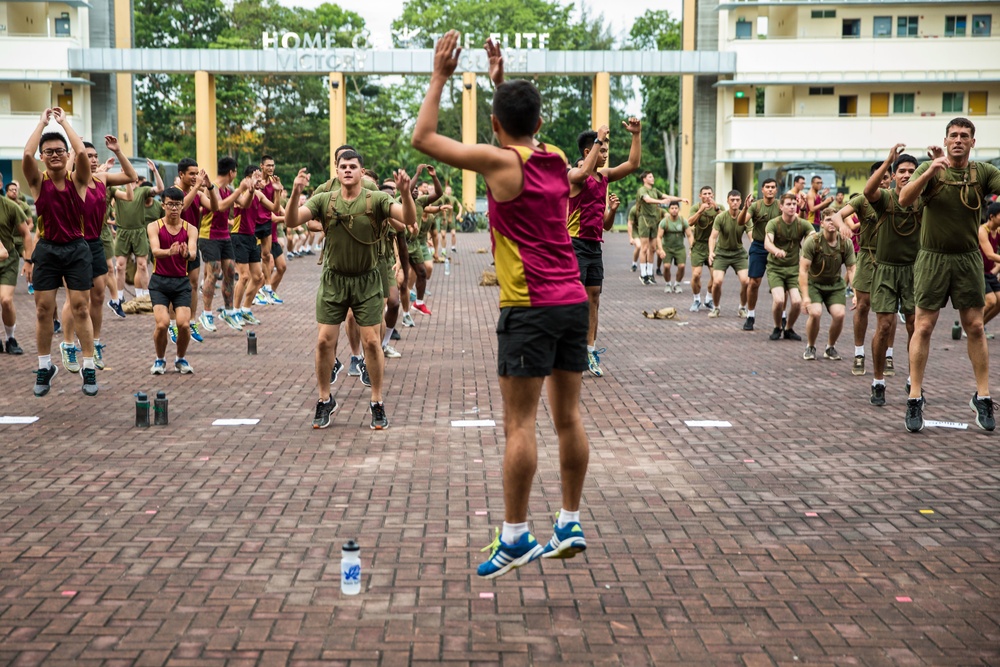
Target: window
982,25
882,26
953,102
744,29
902,102
906,26
824,13
852,28
821,91
954,26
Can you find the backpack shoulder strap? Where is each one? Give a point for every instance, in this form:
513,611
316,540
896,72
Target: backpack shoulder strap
368,203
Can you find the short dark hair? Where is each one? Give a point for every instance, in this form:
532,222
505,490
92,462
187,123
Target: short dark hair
345,147
53,136
87,144
226,164
815,176
146,184
350,155
993,209
734,193
586,140
905,157
387,187
250,169
7,187
960,122
705,187
185,164
644,174
787,195
517,105
798,177
875,167
265,158
769,180
173,193
674,202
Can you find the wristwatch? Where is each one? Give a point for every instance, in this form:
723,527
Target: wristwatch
598,141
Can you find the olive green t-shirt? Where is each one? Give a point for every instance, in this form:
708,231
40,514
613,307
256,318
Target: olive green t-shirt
730,239
868,218
420,203
633,217
447,216
673,232
897,238
152,212
826,259
353,238
787,237
948,224
648,213
703,225
334,184
131,214
760,214
11,216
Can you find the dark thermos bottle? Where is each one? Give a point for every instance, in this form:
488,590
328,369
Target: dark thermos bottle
160,416
142,410
956,331
251,343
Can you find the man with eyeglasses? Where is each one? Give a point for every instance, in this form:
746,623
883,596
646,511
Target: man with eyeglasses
61,254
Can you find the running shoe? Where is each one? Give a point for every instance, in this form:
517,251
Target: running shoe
365,379
748,325
56,326
669,289
743,312
791,335
915,415
678,289
594,362
784,321
408,320
422,307
831,353
395,335
849,292
183,367
259,300
878,395
116,306
659,271
231,320
31,288
89,381
902,318
775,334
99,356
323,412
716,312
159,367
922,397
13,347
248,317
566,542
337,367
810,353
207,320
379,421
389,352
635,267
196,333
709,303
172,332
43,379
652,279
506,557
413,295
69,360
354,370
984,412
275,298
695,306
859,365
890,369
644,280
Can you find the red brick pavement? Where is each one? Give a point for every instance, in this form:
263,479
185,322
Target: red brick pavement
701,549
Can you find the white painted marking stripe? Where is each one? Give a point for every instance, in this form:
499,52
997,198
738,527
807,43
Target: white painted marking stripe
472,423
958,425
18,420
235,422
708,423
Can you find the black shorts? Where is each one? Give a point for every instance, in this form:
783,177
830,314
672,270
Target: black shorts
263,231
992,282
194,264
591,260
170,291
758,260
56,263
214,250
99,260
532,342
245,249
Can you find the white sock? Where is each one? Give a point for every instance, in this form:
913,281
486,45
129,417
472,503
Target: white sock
642,270
418,302
909,379
650,269
784,314
388,336
567,517
697,298
983,398
752,313
591,348
512,532
634,264
44,361
88,362
859,350
888,352
97,341
878,383
9,330
173,323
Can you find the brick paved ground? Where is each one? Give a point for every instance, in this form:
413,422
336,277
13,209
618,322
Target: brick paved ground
794,537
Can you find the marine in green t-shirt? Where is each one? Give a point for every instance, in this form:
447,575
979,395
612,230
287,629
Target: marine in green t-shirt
783,237
725,251
824,254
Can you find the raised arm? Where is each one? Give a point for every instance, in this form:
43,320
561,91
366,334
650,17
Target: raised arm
298,215
744,213
127,174
610,211
578,175
82,174
631,165
912,190
158,186
28,164
875,180
841,217
405,210
495,57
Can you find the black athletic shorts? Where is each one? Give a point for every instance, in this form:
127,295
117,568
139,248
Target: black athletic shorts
56,263
246,249
214,250
992,282
590,258
263,231
99,261
532,342
758,260
170,291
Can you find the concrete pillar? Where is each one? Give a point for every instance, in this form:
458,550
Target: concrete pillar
600,101
688,24
124,105
468,137
205,123
338,116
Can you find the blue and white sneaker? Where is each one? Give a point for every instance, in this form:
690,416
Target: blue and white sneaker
172,332
116,307
196,333
594,362
232,320
275,298
69,358
248,317
99,356
260,299
207,320
566,542
159,367
31,288
507,557
183,366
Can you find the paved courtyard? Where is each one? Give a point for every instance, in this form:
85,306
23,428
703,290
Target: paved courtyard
814,530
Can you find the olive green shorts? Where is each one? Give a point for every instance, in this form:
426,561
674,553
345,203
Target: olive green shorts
864,272
131,242
108,241
9,269
417,252
786,277
699,253
363,294
828,295
648,229
892,289
19,245
737,262
388,275
675,255
938,276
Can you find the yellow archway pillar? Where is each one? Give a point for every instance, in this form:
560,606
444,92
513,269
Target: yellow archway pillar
338,116
206,141
690,17
124,107
469,137
600,101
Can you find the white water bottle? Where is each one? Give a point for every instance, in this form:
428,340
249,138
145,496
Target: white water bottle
447,266
350,568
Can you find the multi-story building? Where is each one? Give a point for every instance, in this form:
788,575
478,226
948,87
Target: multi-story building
840,82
